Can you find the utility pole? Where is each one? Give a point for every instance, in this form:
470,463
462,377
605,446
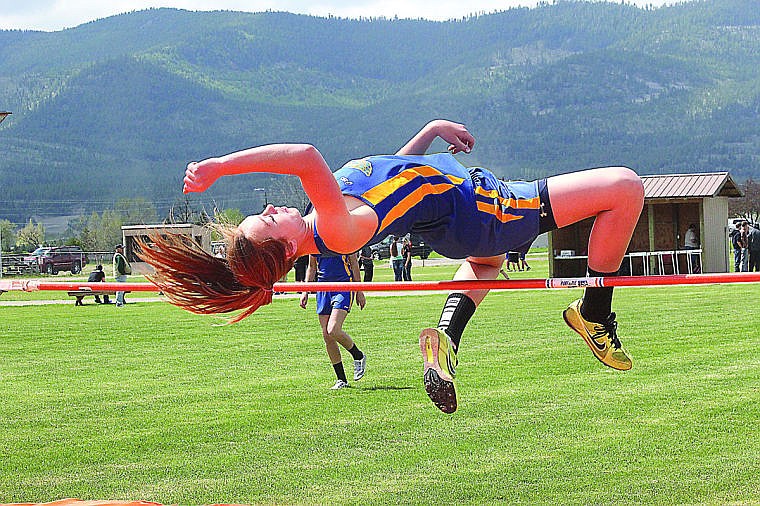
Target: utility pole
266,202
3,115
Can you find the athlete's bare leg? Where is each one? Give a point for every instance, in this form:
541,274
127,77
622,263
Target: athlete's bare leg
615,195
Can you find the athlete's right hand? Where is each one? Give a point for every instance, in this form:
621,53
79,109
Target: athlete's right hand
304,299
200,175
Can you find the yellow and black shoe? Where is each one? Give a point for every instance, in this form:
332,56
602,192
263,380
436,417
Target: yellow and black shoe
440,361
601,337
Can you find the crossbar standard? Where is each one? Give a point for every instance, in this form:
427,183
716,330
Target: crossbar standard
483,284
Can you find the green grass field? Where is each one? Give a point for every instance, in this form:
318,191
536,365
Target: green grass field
152,403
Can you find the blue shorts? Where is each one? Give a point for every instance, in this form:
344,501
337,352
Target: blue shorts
327,301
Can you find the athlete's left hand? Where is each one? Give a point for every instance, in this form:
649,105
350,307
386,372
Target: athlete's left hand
361,300
456,134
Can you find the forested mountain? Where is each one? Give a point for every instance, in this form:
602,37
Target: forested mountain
117,107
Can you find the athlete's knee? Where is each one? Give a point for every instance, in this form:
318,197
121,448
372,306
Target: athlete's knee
495,261
332,334
628,185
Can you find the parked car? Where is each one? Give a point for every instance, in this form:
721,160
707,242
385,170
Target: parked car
52,260
382,249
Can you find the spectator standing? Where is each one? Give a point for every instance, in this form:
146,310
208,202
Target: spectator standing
691,237
300,266
523,263
745,246
98,276
753,245
513,258
121,269
736,244
366,263
406,252
397,259
690,242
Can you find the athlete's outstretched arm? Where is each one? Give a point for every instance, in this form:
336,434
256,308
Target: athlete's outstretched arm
301,160
455,134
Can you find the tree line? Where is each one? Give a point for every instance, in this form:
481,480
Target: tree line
100,231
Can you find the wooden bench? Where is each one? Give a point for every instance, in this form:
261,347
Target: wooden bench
86,292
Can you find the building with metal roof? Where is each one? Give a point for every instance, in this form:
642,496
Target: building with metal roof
669,186
671,203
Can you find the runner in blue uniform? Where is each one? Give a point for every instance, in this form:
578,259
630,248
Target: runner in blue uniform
333,307
461,213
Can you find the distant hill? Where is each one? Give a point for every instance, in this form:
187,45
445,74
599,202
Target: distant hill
117,107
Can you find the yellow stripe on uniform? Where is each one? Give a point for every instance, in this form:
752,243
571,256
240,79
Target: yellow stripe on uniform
496,211
533,203
386,188
413,199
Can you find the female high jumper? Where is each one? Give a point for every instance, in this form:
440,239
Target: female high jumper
460,212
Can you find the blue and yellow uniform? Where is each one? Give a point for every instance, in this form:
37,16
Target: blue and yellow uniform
333,268
459,212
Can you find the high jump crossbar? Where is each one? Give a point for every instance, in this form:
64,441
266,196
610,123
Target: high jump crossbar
406,286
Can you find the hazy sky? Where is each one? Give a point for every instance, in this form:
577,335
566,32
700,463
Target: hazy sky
51,15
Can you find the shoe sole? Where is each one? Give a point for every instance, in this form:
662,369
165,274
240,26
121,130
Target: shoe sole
440,390
587,340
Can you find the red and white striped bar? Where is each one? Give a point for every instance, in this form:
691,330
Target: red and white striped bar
405,286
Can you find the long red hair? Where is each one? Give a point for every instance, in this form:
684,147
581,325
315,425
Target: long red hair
201,283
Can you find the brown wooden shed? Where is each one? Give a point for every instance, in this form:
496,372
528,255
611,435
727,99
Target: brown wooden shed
671,204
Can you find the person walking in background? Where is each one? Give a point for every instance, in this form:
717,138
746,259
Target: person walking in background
753,245
121,269
98,276
397,259
366,263
333,307
406,252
